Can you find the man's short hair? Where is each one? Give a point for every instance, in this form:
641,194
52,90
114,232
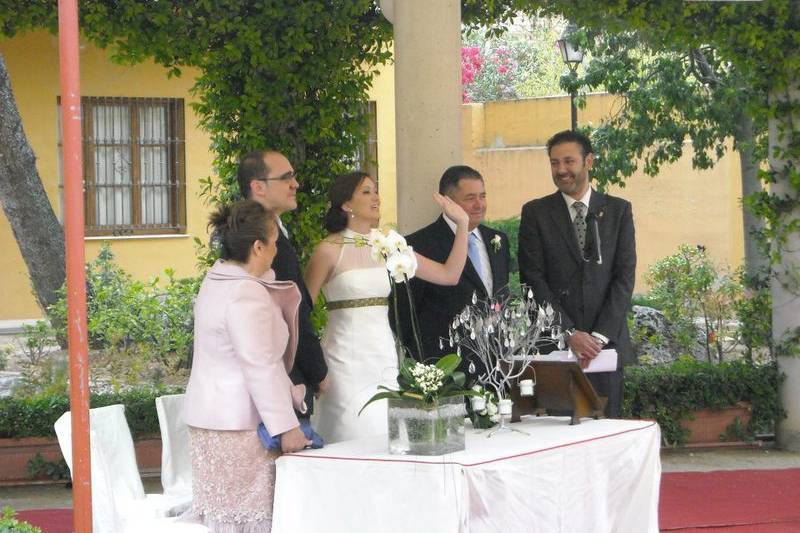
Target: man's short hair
569,136
251,167
454,174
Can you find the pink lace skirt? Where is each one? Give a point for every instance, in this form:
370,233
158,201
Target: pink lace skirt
233,481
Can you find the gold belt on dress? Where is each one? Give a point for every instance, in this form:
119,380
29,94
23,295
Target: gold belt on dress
358,302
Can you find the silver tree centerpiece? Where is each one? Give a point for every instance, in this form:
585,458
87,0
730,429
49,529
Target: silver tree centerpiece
500,338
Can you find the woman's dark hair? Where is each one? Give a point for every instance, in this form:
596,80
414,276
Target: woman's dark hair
238,225
341,191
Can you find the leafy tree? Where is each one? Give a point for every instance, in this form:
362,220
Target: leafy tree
672,94
518,62
35,226
290,77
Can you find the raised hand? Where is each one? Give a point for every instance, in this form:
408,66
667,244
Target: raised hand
453,211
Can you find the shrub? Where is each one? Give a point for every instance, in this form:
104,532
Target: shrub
123,311
138,331
38,468
34,416
754,313
9,524
670,393
687,285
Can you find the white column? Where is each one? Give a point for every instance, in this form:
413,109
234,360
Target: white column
427,49
785,299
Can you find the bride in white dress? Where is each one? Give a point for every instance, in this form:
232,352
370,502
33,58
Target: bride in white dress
358,342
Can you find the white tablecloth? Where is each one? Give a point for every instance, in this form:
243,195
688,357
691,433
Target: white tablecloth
598,476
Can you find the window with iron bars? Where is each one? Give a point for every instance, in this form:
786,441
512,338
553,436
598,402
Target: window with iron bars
134,165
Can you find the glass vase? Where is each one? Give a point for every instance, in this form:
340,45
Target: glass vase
416,428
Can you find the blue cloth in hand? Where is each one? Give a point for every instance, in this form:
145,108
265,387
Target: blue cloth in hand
274,443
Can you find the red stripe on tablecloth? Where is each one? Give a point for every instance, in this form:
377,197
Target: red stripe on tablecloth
497,459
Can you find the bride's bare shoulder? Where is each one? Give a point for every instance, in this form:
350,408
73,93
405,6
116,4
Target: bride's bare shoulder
330,245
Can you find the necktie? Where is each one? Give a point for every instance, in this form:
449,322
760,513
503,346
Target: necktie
474,254
580,224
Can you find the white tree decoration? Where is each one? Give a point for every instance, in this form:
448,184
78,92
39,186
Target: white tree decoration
504,336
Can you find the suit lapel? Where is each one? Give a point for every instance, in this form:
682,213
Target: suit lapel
562,221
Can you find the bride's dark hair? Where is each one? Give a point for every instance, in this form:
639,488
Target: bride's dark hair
341,191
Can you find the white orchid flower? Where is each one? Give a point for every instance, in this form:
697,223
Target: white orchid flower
402,265
395,242
378,245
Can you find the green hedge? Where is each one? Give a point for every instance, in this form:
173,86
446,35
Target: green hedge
669,393
34,416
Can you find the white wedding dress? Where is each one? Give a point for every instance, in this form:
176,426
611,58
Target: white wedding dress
358,345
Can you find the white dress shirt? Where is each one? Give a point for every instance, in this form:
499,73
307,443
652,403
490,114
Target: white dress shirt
485,266
570,200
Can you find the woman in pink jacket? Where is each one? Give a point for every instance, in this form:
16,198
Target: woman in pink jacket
245,336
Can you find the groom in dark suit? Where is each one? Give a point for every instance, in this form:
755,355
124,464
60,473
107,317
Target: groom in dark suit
485,273
577,251
268,178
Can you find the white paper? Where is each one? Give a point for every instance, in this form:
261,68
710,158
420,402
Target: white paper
606,360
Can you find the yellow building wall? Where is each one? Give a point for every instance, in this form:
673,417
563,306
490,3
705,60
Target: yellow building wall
503,140
506,141
382,91
32,61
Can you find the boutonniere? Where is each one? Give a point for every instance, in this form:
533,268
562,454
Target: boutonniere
496,243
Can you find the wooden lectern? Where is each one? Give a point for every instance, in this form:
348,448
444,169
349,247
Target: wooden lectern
561,389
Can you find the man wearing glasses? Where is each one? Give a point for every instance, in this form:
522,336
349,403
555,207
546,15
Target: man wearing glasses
268,178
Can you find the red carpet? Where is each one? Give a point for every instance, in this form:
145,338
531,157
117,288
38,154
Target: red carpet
751,501
739,501
49,520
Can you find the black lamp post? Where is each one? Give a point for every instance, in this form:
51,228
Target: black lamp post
572,56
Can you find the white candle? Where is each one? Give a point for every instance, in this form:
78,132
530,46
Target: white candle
505,406
478,403
526,387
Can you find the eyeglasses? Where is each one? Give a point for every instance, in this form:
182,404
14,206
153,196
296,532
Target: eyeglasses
289,176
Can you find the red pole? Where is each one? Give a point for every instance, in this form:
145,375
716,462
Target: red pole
76,282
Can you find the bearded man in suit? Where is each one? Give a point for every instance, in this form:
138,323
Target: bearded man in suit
268,177
577,251
485,274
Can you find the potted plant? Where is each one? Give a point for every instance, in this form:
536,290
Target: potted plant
426,412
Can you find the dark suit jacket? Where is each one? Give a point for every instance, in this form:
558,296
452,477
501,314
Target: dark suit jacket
309,364
589,296
436,305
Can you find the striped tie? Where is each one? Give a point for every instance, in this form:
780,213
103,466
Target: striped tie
580,224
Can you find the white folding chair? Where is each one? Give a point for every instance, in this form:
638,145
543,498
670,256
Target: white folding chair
176,463
119,503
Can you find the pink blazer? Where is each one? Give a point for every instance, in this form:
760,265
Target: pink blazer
245,338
